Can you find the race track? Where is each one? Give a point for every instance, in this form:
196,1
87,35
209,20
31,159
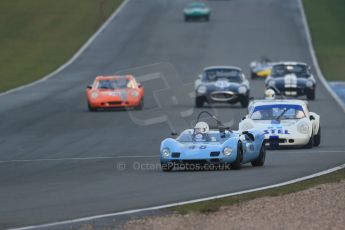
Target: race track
58,161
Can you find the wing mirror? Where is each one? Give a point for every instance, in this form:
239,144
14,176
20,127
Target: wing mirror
311,117
140,85
249,135
243,118
173,134
89,87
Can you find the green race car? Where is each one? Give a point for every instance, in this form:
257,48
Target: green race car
197,10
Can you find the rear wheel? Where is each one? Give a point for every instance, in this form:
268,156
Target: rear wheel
199,102
261,158
311,95
317,138
236,165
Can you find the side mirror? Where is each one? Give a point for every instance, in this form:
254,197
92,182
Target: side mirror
173,134
140,85
243,118
311,117
89,87
251,98
249,135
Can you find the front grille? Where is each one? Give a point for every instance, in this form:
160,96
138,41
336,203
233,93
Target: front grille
214,154
222,96
175,155
114,102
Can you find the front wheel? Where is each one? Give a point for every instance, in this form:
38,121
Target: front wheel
90,108
199,102
167,167
236,165
310,143
261,158
311,95
140,106
317,138
244,101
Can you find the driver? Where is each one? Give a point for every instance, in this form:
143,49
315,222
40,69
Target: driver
270,94
200,131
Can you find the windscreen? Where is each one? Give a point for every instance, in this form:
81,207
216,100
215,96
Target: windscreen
189,136
299,70
120,83
277,111
232,75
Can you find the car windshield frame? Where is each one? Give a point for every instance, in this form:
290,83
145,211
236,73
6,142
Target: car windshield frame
218,75
277,111
115,83
303,73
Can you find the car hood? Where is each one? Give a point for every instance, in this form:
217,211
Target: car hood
290,79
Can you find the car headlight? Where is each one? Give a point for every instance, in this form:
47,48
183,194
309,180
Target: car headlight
135,93
165,152
309,84
94,95
242,90
202,89
227,151
303,128
271,83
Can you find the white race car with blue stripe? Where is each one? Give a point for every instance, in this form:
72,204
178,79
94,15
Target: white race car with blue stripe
284,123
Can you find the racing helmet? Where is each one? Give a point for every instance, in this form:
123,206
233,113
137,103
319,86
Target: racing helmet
270,94
201,127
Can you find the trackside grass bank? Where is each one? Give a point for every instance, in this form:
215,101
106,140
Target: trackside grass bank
37,36
214,205
326,22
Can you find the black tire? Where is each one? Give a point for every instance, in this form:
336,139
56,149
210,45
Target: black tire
311,95
199,102
244,101
253,75
91,109
236,165
140,106
317,138
186,18
260,161
167,167
310,143
207,18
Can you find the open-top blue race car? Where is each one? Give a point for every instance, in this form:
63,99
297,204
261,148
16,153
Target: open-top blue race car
212,146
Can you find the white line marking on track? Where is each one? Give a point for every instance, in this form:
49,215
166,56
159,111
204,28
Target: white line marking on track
75,159
181,203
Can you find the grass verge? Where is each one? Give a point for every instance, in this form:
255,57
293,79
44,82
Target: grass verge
214,205
37,36
326,21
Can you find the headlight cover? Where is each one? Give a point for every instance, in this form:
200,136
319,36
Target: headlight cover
202,89
309,84
242,90
165,152
135,93
303,128
227,151
94,95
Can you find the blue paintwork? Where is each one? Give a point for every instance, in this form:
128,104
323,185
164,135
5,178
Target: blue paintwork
200,150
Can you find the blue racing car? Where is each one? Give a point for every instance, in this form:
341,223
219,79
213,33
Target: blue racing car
216,146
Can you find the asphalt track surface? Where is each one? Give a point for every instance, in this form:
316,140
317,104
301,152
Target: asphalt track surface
58,161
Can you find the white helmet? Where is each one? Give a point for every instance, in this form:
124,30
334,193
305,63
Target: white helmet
270,94
201,127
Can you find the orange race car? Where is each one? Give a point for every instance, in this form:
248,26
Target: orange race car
115,92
